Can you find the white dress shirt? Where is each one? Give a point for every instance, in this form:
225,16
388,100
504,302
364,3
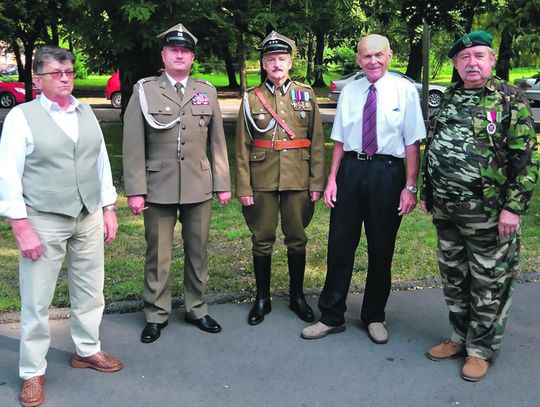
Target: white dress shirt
174,81
399,115
17,142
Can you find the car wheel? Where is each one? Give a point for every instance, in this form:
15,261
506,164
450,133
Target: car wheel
7,100
434,99
116,100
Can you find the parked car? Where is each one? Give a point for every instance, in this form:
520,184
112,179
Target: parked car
530,88
112,91
9,70
12,92
435,91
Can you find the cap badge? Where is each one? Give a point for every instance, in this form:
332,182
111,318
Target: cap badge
467,42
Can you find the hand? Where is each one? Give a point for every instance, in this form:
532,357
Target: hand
110,226
330,193
508,223
407,202
223,197
423,206
315,195
246,200
136,204
27,239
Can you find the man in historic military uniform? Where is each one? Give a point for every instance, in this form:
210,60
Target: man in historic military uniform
479,174
168,122
279,169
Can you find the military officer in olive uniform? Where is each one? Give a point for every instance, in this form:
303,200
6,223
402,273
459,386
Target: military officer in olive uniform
279,169
169,121
479,174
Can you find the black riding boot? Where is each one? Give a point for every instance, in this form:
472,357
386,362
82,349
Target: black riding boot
297,301
262,305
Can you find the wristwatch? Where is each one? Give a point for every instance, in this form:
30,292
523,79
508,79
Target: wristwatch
411,188
111,207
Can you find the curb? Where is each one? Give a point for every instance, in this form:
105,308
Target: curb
123,307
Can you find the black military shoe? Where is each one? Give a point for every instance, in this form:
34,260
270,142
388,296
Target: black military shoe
260,308
206,324
152,331
300,307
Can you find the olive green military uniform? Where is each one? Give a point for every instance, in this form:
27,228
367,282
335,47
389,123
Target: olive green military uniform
479,160
279,181
170,167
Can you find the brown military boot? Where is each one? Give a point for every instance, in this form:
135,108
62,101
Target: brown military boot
474,369
445,350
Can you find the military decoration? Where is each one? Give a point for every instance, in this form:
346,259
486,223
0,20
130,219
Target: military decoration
491,127
200,99
300,100
201,122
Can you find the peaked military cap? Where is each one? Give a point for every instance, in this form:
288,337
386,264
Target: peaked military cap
276,42
471,40
178,35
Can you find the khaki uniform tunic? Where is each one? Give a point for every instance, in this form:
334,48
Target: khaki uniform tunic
279,180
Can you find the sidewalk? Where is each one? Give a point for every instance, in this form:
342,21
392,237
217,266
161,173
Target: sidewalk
270,365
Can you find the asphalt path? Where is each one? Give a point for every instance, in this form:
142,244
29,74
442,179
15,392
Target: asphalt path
270,365
229,108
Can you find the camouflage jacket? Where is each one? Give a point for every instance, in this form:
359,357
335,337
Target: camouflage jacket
507,158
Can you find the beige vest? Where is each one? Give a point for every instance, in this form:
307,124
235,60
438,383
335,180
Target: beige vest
61,176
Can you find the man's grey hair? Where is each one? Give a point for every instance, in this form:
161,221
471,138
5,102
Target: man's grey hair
48,54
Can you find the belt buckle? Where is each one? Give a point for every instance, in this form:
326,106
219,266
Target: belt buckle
363,157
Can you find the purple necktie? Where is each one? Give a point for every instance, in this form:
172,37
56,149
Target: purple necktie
369,123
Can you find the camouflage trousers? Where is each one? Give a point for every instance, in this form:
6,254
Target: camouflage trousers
478,270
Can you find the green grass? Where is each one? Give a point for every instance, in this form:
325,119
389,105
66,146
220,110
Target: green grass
230,247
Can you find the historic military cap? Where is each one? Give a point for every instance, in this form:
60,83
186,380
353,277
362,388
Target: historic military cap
276,42
178,35
471,40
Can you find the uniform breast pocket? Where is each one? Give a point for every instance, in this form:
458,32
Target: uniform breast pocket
261,117
302,115
162,114
203,115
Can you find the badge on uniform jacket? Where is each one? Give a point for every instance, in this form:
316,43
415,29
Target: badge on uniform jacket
491,127
200,98
299,99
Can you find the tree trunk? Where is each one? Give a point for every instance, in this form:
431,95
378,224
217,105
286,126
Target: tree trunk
310,59
241,62
414,65
319,59
28,54
229,66
20,66
502,68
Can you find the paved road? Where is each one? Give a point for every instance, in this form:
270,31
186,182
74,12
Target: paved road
229,109
270,365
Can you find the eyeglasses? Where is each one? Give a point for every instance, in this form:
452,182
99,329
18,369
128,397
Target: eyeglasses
58,74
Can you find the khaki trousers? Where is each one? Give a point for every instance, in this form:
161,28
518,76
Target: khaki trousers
159,223
80,241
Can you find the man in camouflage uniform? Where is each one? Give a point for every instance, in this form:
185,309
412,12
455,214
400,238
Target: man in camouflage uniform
479,173
279,169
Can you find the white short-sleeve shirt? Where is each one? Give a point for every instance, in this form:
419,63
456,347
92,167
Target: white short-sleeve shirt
399,116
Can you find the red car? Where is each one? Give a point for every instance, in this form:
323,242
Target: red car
112,91
12,93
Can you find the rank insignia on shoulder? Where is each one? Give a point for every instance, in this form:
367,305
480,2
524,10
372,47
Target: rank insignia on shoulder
200,98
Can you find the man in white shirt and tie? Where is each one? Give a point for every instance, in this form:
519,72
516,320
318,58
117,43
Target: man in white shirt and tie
56,190
372,181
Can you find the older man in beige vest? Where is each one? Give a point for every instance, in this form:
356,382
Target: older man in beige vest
56,189
169,121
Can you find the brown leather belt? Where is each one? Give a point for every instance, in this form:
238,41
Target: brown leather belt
281,144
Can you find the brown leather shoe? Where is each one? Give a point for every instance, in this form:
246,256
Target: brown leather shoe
33,391
100,361
474,369
445,350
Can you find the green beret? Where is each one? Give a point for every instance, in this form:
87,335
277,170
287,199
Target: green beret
471,40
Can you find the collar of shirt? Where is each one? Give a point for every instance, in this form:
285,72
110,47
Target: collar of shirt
283,88
364,84
66,119
174,81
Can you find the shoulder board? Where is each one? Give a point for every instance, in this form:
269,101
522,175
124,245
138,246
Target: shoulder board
304,85
148,79
203,81
250,89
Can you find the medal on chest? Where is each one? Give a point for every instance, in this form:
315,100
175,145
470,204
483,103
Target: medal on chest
300,100
491,127
200,98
